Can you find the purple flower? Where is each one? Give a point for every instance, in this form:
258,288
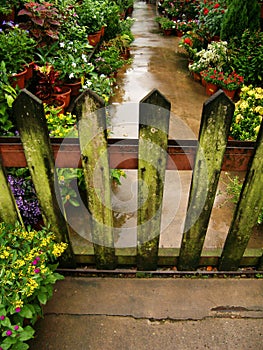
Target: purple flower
37,270
34,262
16,328
17,309
8,332
38,258
2,317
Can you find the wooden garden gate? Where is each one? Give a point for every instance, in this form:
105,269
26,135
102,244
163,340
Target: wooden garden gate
37,151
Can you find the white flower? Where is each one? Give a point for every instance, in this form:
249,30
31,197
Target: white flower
71,76
74,65
62,44
83,56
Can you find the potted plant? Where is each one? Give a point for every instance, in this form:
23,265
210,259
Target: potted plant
248,114
90,15
212,78
230,83
49,87
166,25
43,21
72,60
7,97
122,42
17,49
28,274
108,61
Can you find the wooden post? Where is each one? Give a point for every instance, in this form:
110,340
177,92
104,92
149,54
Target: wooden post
9,211
31,123
91,115
153,139
248,208
215,123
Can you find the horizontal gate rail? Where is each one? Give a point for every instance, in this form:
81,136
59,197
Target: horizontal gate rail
123,153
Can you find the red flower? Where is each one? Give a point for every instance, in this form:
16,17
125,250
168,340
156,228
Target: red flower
216,6
206,11
188,41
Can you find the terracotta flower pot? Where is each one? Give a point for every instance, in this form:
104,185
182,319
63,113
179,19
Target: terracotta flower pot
29,73
230,93
18,80
64,95
210,88
75,87
94,38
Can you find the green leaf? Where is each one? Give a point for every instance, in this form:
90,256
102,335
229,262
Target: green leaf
20,346
26,312
42,297
27,333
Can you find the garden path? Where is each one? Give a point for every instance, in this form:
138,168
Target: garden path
158,62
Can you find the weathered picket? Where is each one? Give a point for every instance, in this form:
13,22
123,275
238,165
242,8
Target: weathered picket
207,157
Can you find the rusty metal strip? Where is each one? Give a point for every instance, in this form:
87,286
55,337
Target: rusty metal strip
123,153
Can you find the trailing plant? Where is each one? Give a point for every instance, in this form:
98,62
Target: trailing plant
27,278
25,195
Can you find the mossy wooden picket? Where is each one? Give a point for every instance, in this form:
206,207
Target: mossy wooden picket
208,156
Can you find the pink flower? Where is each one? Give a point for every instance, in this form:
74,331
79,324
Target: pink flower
8,332
37,270
16,328
2,317
17,309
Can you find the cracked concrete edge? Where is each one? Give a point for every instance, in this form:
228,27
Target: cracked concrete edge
158,299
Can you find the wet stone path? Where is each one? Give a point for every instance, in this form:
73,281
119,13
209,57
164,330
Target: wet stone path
158,63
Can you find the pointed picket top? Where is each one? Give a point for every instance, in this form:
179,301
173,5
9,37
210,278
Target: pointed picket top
155,97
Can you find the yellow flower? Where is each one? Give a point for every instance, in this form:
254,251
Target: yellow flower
256,129
59,248
238,117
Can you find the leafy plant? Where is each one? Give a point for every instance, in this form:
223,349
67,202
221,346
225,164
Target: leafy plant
16,48
239,17
7,97
27,278
72,60
48,82
233,190
43,21
248,114
246,57
60,125
116,175
108,61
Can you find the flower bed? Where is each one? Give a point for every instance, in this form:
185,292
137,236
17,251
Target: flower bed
27,276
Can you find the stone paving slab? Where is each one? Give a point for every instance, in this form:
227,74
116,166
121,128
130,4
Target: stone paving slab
158,298
127,314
